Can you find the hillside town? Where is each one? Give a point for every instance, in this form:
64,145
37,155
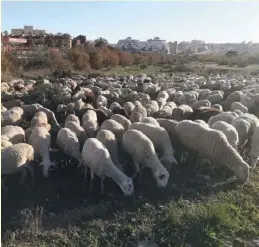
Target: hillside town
27,39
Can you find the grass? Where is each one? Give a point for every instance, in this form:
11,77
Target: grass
220,219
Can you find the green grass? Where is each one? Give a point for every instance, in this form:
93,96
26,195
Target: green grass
216,220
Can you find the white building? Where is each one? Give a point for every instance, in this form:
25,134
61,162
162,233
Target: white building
27,30
153,45
39,32
17,31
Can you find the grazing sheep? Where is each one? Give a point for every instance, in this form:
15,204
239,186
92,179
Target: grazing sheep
70,108
238,106
101,115
150,120
72,117
254,152
217,106
129,106
106,111
121,120
40,140
224,116
98,159
12,116
121,111
143,153
161,141
13,134
212,144
138,114
90,123
115,127
78,130
182,112
229,130
12,103
40,117
113,105
201,103
202,122
29,130
17,158
101,101
69,144
108,139
5,143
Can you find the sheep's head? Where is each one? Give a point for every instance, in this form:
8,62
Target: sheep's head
242,172
161,176
46,166
253,161
127,186
168,161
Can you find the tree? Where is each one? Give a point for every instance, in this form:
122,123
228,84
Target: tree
5,33
100,42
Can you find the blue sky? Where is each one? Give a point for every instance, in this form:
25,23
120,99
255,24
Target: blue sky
219,21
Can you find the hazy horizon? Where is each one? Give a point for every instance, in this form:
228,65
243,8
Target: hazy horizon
212,22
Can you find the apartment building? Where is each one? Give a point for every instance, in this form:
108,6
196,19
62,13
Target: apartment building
27,31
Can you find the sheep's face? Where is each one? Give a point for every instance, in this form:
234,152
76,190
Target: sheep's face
161,177
243,172
168,161
253,161
46,168
127,187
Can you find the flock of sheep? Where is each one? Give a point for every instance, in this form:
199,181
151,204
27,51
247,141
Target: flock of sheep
150,120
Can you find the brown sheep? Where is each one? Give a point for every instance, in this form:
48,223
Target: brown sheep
204,113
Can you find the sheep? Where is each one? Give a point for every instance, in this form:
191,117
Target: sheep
138,114
12,103
106,111
182,112
242,126
17,158
79,131
254,152
113,105
128,106
5,143
238,106
40,140
204,114
101,101
115,127
212,144
40,117
217,106
224,116
13,134
202,122
108,139
101,115
90,123
150,120
201,103
121,111
121,120
161,141
230,132
29,130
142,150
70,108
98,159
12,116
72,117
68,142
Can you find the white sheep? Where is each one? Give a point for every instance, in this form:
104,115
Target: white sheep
108,139
13,134
230,132
72,117
202,122
150,120
128,106
69,144
106,110
254,152
182,112
40,139
114,105
138,113
143,153
217,106
98,159
223,116
29,130
78,130
11,116
115,127
17,158
201,103
40,117
238,106
121,120
90,123
212,144
5,143
101,101
160,139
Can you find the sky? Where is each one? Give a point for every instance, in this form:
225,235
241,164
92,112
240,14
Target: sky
219,21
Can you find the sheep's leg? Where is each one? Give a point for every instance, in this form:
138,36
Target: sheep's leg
24,173
91,182
3,185
137,169
31,170
102,188
85,174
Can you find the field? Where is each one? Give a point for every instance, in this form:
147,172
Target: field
201,206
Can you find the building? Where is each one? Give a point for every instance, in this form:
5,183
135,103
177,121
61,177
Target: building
27,31
173,46
152,45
